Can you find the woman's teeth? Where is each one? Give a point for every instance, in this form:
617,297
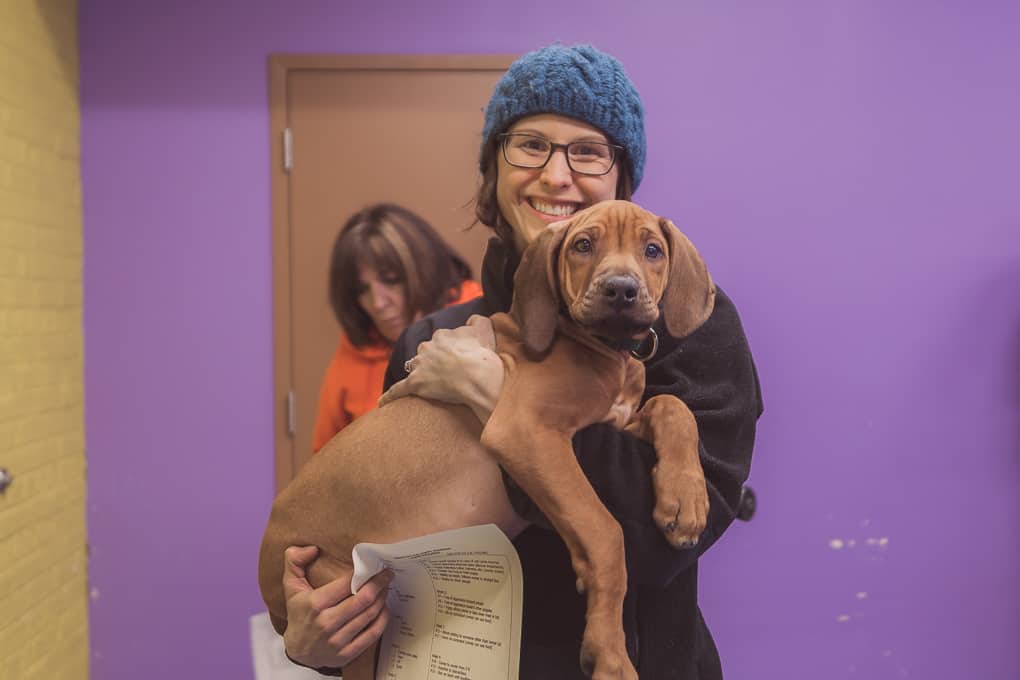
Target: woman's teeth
554,209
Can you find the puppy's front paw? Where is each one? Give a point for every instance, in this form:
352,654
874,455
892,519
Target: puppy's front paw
681,505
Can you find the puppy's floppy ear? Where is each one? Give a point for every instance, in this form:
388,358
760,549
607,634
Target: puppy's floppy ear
536,301
690,294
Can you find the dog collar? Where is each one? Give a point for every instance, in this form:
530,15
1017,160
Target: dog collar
633,346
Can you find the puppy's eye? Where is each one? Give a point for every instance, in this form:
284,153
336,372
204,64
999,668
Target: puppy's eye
653,251
582,245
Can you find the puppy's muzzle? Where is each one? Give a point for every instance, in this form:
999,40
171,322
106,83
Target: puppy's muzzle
620,292
619,305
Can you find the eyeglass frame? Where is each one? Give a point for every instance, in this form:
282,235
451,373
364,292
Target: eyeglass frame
615,150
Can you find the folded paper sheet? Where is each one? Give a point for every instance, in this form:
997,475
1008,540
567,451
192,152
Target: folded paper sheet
455,605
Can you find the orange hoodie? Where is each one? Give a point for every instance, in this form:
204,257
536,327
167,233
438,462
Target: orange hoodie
354,379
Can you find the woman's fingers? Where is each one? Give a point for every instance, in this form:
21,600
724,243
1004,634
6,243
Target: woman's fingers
327,626
331,594
456,366
352,616
295,561
482,327
365,639
295,581
353,607
398,390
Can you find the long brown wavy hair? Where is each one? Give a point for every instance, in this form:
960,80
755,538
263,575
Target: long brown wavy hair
399,244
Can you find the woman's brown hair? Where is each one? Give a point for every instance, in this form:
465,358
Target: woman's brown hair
487,205
399,244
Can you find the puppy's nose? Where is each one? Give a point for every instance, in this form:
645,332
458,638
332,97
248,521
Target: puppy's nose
620,291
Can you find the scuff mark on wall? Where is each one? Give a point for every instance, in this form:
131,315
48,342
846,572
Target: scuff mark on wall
874,542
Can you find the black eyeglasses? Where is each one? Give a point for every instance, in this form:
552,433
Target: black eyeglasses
585,158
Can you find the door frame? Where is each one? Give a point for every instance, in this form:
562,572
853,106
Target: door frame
280,67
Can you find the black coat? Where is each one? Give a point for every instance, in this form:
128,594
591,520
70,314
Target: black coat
713,373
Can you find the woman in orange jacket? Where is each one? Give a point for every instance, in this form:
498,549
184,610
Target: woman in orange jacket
389,267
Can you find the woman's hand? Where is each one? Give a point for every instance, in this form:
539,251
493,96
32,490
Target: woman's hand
327,626
458,366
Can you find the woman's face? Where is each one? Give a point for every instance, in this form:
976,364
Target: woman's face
530,199
382,296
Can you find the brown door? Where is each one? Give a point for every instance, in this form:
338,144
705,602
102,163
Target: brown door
360,130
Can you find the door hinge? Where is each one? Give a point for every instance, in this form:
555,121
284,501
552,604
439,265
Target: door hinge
291,413
288,150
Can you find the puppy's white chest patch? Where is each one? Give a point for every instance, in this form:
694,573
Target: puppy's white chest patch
619,414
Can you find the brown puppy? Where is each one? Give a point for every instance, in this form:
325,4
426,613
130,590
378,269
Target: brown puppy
608,267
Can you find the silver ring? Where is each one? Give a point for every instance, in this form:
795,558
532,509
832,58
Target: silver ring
652,351
407,366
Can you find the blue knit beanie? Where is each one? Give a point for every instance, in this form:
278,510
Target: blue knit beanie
580,82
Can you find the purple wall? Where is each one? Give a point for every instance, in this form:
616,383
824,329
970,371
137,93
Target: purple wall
849,170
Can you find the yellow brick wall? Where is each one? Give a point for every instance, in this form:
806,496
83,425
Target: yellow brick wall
43,598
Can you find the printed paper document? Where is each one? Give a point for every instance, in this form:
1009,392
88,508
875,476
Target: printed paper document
454,602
